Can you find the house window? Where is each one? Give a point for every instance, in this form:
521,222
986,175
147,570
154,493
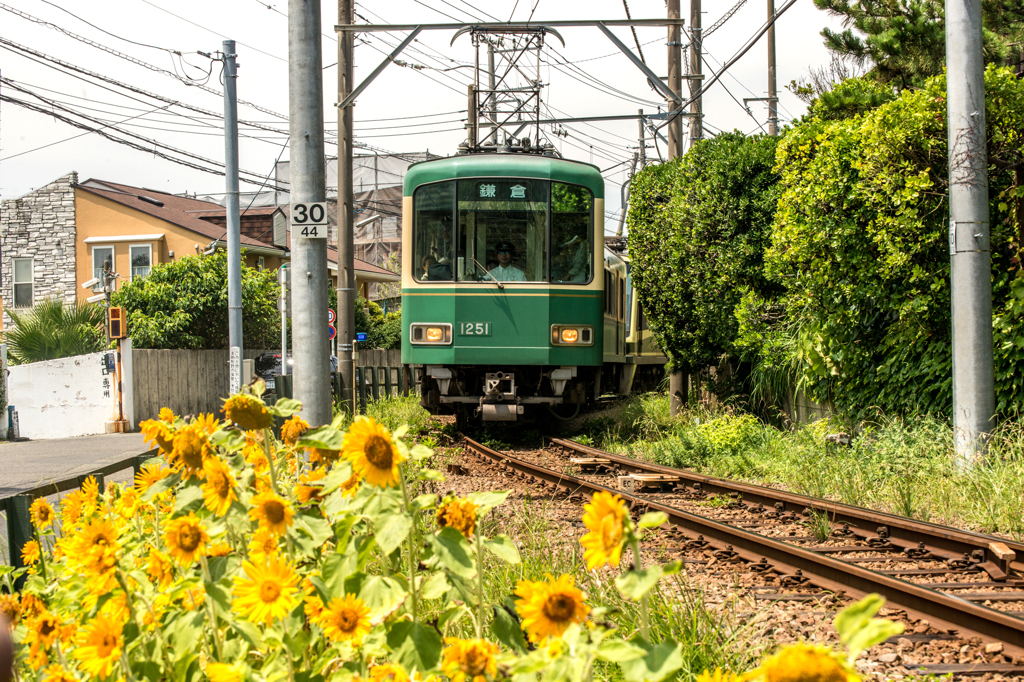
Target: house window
102,259
261,263
23,277
142,259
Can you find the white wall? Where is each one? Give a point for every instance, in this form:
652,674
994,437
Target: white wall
67,397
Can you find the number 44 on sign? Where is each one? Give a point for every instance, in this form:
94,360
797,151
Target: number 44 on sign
309,219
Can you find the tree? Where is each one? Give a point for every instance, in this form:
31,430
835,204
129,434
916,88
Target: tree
905,40
55,329
184,304
698,229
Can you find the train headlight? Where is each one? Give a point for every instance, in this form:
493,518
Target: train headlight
572,335
431,334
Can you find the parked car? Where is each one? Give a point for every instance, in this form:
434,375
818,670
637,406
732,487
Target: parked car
268,367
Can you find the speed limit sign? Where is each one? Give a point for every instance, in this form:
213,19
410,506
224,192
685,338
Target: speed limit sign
309,219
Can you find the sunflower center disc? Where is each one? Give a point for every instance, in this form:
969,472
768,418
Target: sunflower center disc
274,511
347,621
188,538
220,485
560,607
476,662
269,591
378,452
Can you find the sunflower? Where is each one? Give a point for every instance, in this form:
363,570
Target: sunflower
31,606
219,488
605,516
225,672
90,496
57,673
150,474
71,507
255,456
313,606
94,548
262,544
191,448
30,553
158,432
293,429
547,608
388,672
719,676
166,415
10,608
219,549
99,645
159,568
469,659
305,491
247,412
186,538
42,513
374,457
267,592
272,511
44,629
458,513
323,456
208,423
345,619
128,503
803,663
193,598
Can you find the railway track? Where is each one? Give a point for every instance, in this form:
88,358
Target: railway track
965,585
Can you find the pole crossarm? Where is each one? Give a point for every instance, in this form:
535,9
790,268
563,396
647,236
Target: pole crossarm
347,102
653,77
612,117
503,25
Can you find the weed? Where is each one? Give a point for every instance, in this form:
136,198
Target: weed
820,525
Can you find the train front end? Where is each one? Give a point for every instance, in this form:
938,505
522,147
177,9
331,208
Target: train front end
502,293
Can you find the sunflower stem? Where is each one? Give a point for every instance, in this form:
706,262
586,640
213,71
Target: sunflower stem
42,555
412,546
267,437
480,583
209,608
645,628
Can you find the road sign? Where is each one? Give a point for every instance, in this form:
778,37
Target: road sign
309,220
331,332
360,336
331,316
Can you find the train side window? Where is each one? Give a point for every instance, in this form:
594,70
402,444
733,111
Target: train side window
607,292
622,300
572,215
433,232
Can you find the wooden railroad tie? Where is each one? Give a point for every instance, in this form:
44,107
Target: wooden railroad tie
589,464
635,482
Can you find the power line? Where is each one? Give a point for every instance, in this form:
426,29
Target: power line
112,35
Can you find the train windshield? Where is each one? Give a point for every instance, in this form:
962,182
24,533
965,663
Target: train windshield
505,229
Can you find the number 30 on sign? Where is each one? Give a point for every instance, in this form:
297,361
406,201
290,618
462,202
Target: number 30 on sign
309,220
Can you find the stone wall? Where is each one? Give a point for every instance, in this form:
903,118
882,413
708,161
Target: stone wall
40,225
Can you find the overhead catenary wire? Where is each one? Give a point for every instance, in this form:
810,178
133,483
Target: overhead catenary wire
112,35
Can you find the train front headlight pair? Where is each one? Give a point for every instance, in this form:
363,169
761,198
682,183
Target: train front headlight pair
572,335
431,334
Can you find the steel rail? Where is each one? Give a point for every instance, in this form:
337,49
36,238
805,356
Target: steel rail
951,542
942,610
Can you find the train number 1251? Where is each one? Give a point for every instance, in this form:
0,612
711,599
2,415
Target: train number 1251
474,328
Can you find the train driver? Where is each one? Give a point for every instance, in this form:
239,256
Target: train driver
506,272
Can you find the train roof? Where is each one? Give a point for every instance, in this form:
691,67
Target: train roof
505,165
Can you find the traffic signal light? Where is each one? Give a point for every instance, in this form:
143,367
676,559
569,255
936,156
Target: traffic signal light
117,323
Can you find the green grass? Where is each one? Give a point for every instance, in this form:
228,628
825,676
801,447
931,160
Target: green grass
904,466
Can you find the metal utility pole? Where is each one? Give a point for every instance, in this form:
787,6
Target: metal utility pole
773,92
642,137
346,231
675,81
970,258
492,109
233,220
312,368
697,121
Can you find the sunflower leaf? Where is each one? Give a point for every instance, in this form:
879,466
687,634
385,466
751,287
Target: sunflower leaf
189,499
324,437
507,629
635,584
163,485
415,645
618,651
285,407
435,586
856,616
502,547
658,662
419,452
653,519
452,550
486,501
400,431
393,532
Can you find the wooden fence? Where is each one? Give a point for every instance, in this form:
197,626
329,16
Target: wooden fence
187,381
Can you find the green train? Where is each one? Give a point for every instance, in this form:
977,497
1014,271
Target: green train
512,307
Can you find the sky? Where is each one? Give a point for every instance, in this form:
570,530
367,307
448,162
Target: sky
412,108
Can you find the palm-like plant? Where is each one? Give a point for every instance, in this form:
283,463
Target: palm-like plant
55,329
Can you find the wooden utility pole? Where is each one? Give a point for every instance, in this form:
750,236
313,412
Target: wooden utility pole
346,239
675,81
697,121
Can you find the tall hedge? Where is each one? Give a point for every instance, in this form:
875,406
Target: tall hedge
861,241
698,229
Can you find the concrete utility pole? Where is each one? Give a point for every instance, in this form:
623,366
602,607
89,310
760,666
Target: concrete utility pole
312,368
233,220
773,91
696,69
675,81
677,382
970,258
346,232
